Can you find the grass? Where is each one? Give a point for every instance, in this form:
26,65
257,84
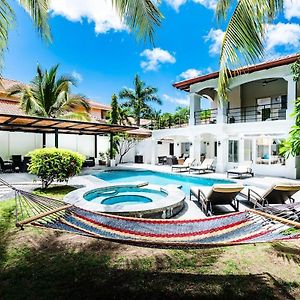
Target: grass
44,264
56,192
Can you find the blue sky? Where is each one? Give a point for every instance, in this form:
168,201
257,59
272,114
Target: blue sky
90,42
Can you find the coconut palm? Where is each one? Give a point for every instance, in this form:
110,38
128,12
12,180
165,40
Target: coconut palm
49,96
138,98
142,17
245,34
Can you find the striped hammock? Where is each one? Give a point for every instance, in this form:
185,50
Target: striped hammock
231,229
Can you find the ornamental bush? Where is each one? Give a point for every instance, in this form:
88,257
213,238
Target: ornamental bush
51,164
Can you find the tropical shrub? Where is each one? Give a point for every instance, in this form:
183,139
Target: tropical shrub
51,164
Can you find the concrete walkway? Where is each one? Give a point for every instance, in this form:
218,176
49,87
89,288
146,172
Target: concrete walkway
191,209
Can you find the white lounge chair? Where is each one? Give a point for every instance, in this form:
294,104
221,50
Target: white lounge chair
277,194
186,165
242,170
206,165
218,194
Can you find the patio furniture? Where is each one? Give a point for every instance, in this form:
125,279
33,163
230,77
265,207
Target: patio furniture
26,162
207,165
138,159
186,165
89,162
17,162
162,160
6,165
277,194
172,160
218,194
242,170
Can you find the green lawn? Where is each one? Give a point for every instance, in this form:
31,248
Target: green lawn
43,264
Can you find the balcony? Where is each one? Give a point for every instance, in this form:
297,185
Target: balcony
207,116
258,113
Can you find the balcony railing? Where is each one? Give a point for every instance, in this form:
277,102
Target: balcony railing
207,116
267,112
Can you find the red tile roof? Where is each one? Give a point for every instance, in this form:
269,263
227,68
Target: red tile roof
185,84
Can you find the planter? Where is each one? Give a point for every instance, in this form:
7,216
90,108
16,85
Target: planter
102,162
112,163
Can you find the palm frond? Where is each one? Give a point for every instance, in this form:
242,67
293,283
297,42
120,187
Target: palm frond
7,19
79,116
142,16
245,35
38,10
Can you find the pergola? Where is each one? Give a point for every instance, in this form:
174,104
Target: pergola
23,123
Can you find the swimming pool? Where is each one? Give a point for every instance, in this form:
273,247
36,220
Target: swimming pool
158,178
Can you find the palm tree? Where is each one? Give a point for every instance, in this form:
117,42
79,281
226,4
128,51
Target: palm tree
245,34
142,17
49,96
138,98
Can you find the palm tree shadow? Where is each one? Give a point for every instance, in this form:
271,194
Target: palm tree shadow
54,270
287,252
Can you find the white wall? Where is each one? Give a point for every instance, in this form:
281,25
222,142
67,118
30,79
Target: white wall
21,143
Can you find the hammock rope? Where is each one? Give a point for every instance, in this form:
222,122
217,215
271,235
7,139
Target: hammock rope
248,227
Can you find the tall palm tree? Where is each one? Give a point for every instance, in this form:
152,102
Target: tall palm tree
245,34
49,96
141,16
138,99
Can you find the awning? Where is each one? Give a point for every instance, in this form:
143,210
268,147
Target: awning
24,123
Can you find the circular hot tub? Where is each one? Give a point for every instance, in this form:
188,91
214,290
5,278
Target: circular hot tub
137,200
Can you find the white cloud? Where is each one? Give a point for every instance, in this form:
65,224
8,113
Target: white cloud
180,101
192,73
215,36
155,57
176,3
210,4
291,9
77,76
285,35
100,12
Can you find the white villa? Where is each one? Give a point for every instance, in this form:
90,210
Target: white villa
249,127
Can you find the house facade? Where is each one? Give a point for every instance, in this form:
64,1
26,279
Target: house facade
249,126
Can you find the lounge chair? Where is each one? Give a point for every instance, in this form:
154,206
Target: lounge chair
242,170
218,194
277,194
186,165
207,165
6,165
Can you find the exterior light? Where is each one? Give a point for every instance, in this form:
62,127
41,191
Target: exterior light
219,143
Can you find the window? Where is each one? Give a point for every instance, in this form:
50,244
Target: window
233,154
268,151
248,150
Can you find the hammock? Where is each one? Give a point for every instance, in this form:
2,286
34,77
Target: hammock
231,229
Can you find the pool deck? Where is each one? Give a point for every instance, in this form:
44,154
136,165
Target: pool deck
191,209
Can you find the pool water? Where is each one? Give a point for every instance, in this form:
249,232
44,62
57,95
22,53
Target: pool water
123,195
159,178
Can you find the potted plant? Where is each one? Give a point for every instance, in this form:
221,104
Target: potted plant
102,158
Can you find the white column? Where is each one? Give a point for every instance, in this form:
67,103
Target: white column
221,115
177,147
241,149
194,106
291,95
221,155
254,151
154,151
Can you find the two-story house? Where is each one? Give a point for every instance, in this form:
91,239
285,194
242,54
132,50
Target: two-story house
249,126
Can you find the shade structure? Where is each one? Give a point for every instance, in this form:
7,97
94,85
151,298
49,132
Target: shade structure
23,123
